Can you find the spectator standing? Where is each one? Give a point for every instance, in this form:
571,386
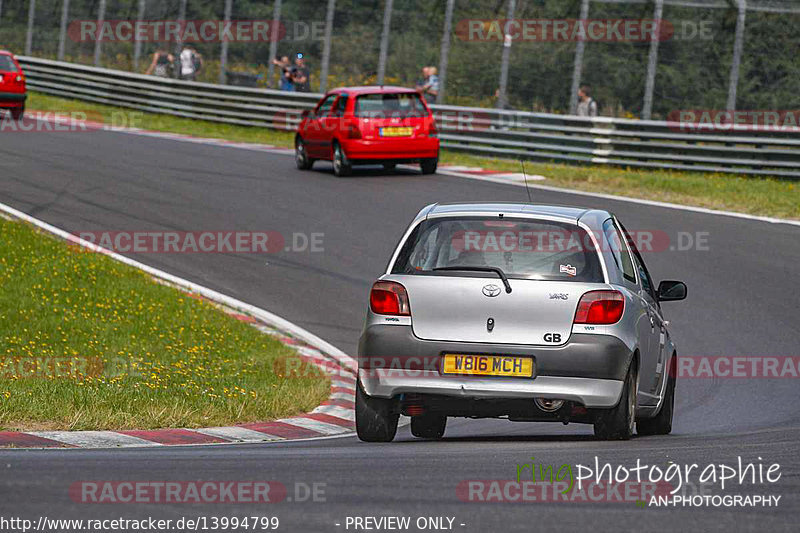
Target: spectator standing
429,85
302,76
286,83
190,63
586,106
161,63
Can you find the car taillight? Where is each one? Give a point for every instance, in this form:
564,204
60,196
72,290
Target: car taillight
389,298
353,131
433,131
600,307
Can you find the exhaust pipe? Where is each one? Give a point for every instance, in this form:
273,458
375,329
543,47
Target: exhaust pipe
548,405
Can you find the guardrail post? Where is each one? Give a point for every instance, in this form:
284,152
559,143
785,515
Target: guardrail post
652,61
326,49
29,33
273,39
223,52
578,67
445,51
101,17
502,97
62,31
387,23
738,44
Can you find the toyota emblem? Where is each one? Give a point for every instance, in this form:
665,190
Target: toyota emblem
491,290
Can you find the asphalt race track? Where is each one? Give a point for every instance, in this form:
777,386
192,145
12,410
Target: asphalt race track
743,301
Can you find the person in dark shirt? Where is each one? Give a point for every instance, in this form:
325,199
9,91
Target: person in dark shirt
302,76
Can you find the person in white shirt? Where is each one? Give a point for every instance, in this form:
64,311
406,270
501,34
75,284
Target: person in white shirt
190,63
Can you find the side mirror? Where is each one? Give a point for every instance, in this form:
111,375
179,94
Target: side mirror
670,291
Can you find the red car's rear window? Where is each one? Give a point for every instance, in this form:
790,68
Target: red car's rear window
390,105
7,64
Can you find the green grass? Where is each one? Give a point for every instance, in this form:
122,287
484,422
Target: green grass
758,196
89,343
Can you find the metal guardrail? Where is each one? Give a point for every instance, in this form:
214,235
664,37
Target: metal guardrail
537,136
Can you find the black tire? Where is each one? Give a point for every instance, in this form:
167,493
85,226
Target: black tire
428,426
18,112
389,166
341,166
618,422
300,156
428,166
376,419
661,424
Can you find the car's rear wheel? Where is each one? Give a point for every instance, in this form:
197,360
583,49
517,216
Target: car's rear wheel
301,156
428,426
341,165
376,419
661,424
428,166
618,422
18,112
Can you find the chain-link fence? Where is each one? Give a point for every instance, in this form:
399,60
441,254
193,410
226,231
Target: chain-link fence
528,55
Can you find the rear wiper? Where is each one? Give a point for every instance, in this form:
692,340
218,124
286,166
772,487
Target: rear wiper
496,270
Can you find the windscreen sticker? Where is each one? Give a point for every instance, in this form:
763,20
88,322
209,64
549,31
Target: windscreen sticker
568,269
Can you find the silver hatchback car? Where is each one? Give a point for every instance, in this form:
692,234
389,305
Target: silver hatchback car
518,311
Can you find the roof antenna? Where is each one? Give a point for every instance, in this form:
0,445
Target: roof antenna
525,174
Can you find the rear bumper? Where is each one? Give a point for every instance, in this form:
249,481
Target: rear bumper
388,150
12,99
592,393
589,369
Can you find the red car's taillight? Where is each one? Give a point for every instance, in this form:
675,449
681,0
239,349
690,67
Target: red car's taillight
389,298
600,307
433,131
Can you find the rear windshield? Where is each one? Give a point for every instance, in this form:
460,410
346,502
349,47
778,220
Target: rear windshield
6,64
390,105
523,249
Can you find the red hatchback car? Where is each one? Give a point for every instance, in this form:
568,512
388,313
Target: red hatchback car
368,126
12,85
